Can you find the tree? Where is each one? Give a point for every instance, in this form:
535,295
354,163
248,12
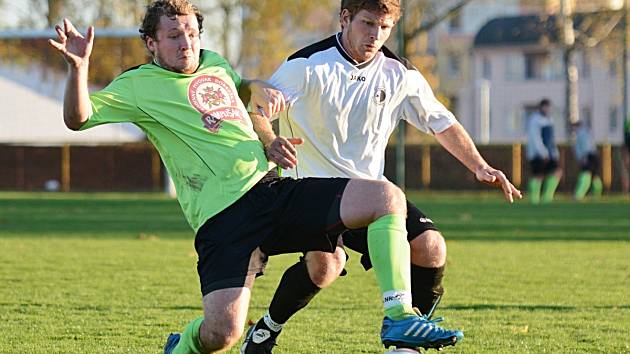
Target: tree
580,31
591,30
276,28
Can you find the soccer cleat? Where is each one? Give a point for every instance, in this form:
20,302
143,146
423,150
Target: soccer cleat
418,331
171,342
258,341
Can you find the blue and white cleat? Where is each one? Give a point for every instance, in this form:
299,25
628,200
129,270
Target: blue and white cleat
418,331
171,343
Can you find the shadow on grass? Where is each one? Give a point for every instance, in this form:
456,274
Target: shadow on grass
531,308
465,218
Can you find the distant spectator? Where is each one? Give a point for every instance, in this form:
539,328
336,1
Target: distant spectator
587,156
542,154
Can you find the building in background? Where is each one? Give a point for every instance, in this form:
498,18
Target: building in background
452,41
494,68
516,61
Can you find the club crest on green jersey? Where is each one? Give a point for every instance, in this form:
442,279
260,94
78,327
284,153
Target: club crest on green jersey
215,100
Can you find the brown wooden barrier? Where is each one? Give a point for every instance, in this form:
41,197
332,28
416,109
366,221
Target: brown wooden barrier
129,167
137,167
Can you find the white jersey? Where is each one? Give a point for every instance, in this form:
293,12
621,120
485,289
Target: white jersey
540,138
346,111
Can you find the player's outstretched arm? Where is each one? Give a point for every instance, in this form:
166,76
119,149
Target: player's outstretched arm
456,140
76,50
278,149
264,97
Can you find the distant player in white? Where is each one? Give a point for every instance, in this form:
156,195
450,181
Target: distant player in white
542,154
345,95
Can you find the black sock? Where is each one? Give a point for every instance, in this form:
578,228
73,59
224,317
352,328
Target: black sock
294,292
426,287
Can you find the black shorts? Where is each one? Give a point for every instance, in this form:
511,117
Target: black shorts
627,141
542,167
591,164
417,223
278,215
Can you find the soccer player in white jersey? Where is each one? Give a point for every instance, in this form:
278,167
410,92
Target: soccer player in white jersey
346,94
542,154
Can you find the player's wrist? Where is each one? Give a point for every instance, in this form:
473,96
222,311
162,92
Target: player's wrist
78,68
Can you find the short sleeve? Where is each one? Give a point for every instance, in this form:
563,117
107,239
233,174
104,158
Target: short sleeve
421,108
113,104
291,78
215,59
235,77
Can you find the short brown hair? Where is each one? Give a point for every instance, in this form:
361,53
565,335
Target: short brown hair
168,8
387,7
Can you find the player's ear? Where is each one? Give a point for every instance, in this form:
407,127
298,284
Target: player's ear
151,43
344,18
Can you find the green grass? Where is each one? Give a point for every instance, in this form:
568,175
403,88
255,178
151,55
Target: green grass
115,273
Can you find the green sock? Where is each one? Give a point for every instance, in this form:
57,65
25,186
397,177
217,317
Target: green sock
598,187
582,186
189,342
534,190
549,188
389,253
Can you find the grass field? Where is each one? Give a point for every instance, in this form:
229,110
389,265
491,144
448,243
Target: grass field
115,273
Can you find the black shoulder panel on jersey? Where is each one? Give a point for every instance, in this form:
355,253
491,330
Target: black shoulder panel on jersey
406,63
132,68
322,45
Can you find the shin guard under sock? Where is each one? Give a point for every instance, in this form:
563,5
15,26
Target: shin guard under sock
389,254
426,287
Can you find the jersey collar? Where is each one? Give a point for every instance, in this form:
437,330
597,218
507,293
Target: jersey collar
347,56
155,62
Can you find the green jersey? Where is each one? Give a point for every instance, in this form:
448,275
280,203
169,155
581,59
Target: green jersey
199,126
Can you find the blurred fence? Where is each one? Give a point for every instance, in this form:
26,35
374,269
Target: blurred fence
137,167
128,167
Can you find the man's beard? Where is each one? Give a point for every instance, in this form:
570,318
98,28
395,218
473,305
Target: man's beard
188,69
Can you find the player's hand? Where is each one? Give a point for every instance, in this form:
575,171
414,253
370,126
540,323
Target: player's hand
497,178
73,46
282,151
266,98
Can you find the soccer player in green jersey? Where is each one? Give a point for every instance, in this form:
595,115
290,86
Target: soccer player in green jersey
222,159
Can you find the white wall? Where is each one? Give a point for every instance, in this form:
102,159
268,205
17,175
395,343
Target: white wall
31,112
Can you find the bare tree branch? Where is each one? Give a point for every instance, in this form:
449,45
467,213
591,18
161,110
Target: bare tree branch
429,24
599,34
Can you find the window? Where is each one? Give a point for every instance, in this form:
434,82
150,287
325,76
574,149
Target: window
515,67
454,64
537,66
455,23
613,120
585,69
542,66
486,68
586,116
515,123
452,104
612,68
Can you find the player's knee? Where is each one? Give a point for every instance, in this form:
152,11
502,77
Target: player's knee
221,337
394,201
324,267
428,249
